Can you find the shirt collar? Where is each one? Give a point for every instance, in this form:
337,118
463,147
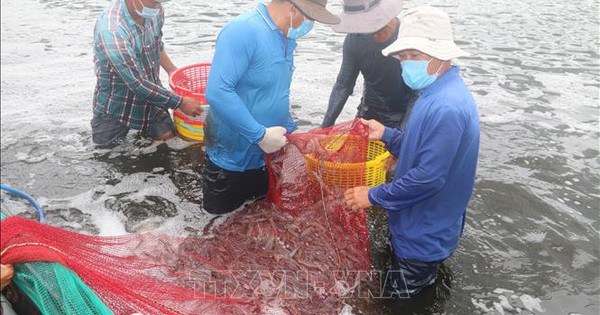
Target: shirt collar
441,81
262,10
128,18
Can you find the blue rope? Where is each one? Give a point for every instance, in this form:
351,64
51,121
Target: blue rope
18,193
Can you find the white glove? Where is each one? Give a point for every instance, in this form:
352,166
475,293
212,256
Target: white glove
273,140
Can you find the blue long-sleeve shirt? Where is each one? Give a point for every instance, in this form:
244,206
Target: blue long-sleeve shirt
435,173
248,89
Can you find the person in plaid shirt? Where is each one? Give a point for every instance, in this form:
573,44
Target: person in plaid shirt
128,53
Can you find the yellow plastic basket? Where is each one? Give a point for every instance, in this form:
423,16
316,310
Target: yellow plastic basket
347,175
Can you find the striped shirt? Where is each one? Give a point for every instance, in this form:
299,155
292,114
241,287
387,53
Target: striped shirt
127,64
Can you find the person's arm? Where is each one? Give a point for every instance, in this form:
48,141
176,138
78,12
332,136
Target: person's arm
121,56
393,140
166,63
6,274
290,125
440,142
233,54
344,85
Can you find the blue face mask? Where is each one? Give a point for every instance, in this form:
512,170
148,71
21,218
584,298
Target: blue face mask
147,13
414,73
303,29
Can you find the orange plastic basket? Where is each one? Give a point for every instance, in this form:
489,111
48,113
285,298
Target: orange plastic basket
190,81
347,175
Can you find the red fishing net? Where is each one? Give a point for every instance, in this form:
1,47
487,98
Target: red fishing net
301,252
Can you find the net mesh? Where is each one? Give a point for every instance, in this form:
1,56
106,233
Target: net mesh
54,289
299,252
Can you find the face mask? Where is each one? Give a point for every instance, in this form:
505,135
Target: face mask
303,29
147,13
414,73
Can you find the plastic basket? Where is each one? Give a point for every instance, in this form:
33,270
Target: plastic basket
191,128
347,175
190,81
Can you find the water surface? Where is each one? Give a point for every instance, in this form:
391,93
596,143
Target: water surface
531,245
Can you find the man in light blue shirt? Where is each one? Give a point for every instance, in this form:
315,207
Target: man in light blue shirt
437,155
248,92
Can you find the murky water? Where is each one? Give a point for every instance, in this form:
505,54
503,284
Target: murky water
531,245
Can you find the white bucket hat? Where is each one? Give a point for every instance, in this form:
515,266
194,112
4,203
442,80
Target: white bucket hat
426,29
367,16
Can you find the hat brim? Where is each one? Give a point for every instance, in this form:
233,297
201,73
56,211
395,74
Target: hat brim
439,49
316,12
368,22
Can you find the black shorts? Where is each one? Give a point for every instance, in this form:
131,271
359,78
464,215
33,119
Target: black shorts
224,191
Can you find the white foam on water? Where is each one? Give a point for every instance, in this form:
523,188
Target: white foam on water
531,303
178,144
109,223
534,237
498,307
582,259
501,301
480,305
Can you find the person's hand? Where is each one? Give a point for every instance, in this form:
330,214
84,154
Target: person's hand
191,106
375,128
357,198
6,274
273,140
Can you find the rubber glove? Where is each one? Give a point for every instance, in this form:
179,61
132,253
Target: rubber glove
273,140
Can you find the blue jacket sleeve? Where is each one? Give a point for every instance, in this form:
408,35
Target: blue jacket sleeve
233,54
344,85
290,125
393,140
435,154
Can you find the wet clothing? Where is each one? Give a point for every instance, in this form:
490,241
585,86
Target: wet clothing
224,191
127,64
108,131
385,95
407,278
435,172
248,90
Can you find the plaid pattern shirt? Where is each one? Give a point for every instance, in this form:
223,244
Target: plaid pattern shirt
127,65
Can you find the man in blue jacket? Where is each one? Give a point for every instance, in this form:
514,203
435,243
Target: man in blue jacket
437,155
248,92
